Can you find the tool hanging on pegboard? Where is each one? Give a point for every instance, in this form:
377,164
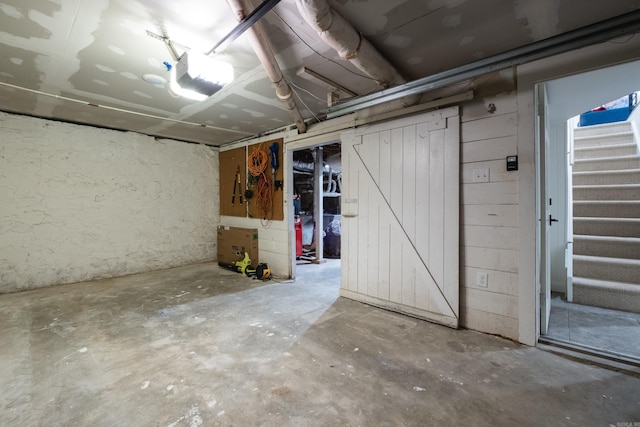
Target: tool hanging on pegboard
237,187
275,164
257,164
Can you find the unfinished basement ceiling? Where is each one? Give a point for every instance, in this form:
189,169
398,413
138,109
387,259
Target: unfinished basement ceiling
84,60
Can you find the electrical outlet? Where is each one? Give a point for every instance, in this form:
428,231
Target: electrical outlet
482,279
481,175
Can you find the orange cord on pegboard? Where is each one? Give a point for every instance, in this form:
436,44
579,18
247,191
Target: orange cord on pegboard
257,164
258,161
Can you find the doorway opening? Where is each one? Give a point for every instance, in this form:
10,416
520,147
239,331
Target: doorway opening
589,210
317,190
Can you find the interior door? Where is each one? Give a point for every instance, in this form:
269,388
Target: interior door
400,209
545,219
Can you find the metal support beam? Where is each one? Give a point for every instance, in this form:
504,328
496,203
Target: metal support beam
243,26
592,34
318,208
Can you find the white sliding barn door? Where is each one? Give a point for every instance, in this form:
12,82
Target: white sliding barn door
400,209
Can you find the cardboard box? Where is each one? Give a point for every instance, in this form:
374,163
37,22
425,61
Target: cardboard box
233,242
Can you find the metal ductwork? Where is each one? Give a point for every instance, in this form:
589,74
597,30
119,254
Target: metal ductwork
264,52
338,33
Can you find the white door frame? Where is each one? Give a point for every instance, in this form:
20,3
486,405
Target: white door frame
289,148
542,208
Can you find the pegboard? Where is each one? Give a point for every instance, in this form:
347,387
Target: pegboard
233,163
255,207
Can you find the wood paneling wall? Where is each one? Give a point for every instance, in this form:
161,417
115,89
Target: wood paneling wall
489,236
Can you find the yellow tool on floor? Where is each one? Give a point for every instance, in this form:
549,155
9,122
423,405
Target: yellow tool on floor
244,265
261,272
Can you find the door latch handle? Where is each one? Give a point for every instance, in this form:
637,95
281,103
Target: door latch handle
551,219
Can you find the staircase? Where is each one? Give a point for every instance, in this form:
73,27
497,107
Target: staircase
606,217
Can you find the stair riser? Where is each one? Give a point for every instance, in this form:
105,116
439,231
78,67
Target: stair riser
602,140
606,164
613,271
606,129
610,193
606,210
607,248
612,178
606,298
613,151
606,228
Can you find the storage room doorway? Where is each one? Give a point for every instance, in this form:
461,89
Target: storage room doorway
589,198
317,188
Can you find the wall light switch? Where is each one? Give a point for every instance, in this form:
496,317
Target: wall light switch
482,279
481,175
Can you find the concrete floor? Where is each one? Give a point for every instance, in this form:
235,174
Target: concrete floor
198,345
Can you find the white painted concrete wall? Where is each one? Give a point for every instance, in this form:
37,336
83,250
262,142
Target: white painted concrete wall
80,203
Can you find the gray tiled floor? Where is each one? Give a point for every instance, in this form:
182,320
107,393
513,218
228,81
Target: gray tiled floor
599,328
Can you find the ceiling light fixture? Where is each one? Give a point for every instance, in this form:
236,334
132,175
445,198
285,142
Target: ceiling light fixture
202,74
194,76
176,90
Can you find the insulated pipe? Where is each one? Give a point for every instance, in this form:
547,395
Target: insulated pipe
264,52
350,45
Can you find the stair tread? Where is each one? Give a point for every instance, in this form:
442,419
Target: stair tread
609,201
610,284
606,177
606,219
607,172
603,126
606,294
604,135
605,147
608,159
607,260
606,185
598,238
602,202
